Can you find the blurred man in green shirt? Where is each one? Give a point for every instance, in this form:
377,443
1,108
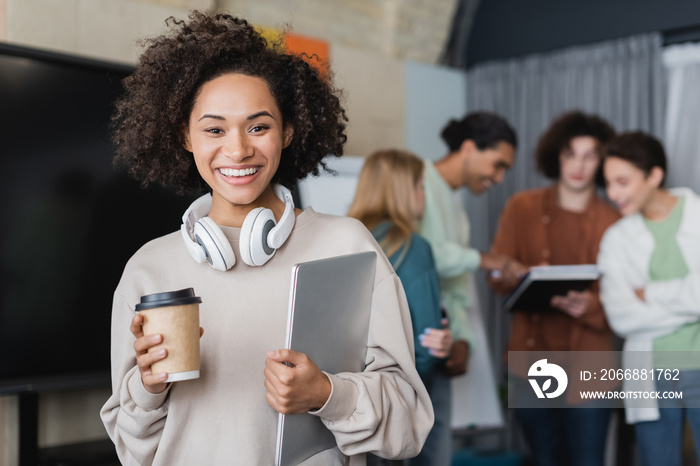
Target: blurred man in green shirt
481,149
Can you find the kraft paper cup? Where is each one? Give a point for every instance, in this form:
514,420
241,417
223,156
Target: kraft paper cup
175,315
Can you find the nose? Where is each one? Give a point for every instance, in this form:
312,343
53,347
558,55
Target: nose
500,173
237,147
577,162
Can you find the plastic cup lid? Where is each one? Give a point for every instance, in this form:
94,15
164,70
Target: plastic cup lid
168,298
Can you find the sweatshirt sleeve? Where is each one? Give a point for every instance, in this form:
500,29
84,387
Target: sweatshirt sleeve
384,410
627,314
134,418
452,260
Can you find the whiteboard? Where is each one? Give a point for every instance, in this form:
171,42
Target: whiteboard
332,194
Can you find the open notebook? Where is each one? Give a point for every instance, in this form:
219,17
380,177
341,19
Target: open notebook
541,283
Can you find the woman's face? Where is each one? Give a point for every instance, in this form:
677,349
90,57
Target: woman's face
578,163
628,186
419,199
236,135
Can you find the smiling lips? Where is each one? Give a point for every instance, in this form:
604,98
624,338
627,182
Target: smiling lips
233,172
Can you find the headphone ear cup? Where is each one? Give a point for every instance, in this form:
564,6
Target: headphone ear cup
253,241
218,250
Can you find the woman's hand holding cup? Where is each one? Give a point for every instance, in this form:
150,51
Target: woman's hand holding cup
154,383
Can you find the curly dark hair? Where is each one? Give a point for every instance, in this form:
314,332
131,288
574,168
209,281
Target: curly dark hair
486,129
640,149
149,119
559,135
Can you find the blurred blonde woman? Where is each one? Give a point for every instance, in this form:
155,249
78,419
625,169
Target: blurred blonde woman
390,201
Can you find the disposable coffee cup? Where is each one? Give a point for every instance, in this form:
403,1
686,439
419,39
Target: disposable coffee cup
175,315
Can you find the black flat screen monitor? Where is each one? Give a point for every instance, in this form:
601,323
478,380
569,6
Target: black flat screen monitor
70,220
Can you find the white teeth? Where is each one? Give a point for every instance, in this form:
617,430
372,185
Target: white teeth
235,172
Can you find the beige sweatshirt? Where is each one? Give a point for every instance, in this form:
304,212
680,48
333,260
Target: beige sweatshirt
222,418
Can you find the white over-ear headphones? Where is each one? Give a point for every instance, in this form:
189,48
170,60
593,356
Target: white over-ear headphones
260,236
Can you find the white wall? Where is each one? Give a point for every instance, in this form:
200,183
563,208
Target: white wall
332,193
402,29
9,420
373,88
101,29
434,95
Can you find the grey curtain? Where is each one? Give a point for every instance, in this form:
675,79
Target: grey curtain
620,80
682,132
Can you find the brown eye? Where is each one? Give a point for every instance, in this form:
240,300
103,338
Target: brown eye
259,128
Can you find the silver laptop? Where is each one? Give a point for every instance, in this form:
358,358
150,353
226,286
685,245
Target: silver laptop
328,320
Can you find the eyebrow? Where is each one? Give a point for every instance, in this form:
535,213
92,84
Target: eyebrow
250,117
215,117
259,114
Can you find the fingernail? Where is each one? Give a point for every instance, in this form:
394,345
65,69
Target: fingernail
421,337
432,352
272,354
426,331
162,376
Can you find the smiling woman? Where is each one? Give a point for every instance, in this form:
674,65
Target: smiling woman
212,105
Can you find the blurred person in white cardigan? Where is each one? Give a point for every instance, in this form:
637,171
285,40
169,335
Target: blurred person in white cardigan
650,290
